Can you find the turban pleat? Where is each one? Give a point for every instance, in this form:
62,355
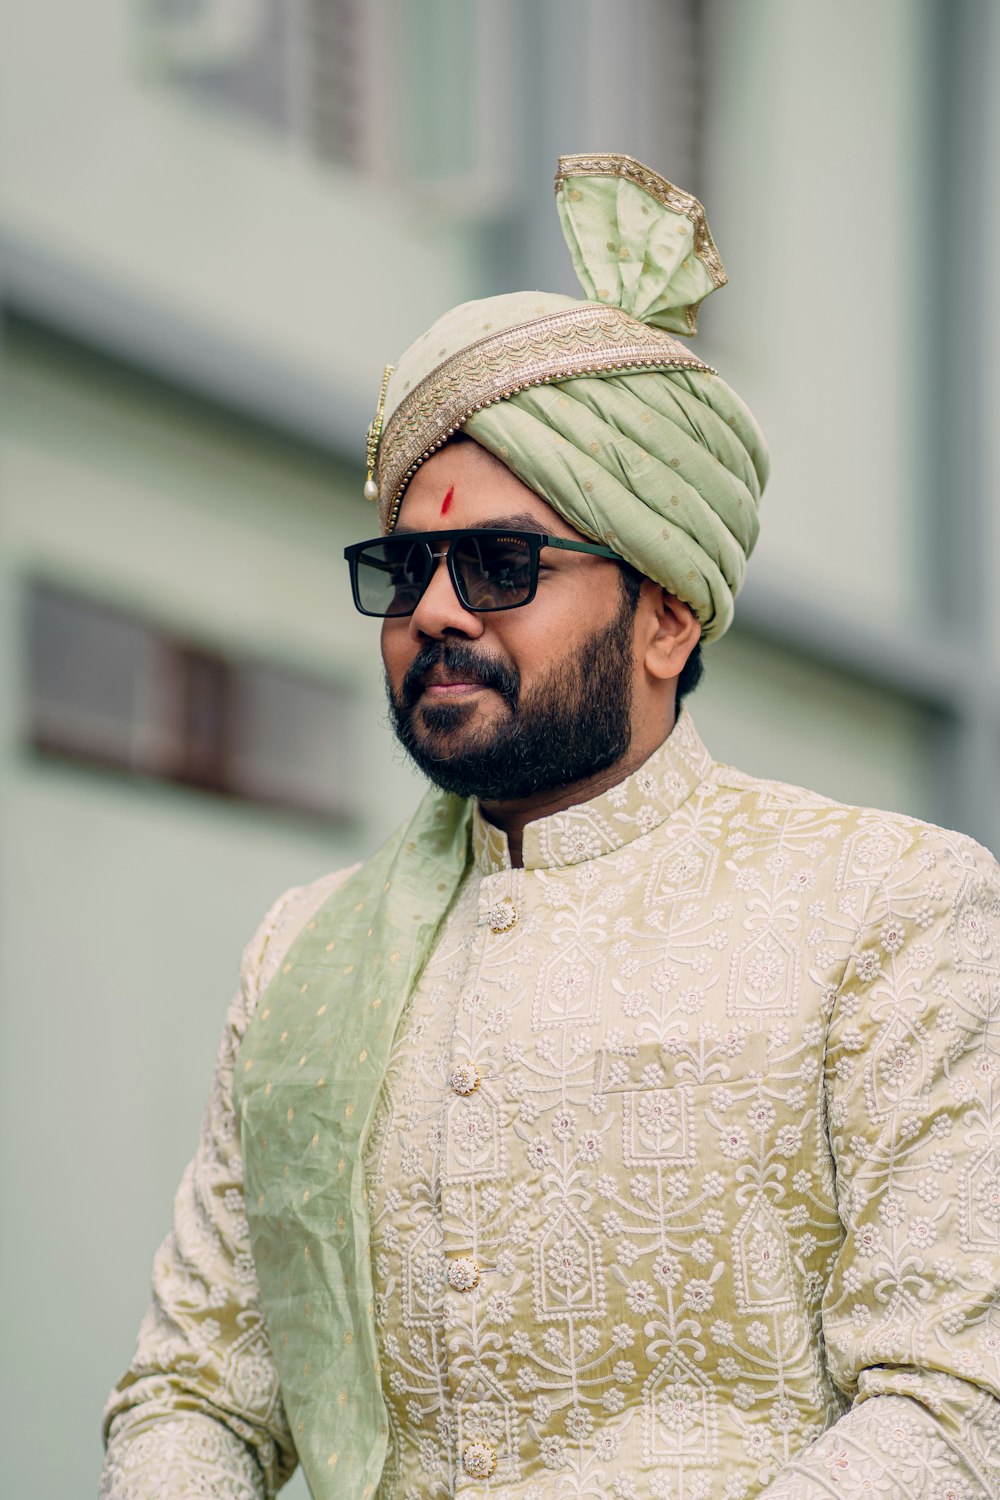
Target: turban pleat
596,450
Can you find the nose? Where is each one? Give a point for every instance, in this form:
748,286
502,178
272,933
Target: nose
440,611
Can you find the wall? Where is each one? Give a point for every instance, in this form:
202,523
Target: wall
124,906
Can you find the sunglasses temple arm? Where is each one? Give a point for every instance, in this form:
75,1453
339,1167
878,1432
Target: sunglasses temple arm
596,549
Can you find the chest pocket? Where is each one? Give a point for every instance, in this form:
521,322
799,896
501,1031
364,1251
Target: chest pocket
662,1093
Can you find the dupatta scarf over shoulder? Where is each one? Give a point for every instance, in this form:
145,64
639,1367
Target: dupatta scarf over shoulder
596,404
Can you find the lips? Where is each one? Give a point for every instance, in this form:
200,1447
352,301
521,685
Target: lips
445,672
441,683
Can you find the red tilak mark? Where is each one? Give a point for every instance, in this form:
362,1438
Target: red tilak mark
446,502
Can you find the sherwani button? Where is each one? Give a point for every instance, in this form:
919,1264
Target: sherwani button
502,916
479,1460
463,1274
465,1078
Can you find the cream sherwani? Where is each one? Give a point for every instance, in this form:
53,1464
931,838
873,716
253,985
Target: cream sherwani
684,1183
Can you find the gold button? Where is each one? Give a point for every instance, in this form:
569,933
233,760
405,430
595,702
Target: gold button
463,1274
502,915
479,1460
465,1078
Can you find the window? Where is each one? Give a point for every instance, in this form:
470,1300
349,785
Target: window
357,83
109,689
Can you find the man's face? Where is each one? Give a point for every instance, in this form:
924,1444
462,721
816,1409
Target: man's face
508,704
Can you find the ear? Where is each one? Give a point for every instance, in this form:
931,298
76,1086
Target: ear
672,632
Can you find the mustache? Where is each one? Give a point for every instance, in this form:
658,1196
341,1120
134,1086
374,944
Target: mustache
454,656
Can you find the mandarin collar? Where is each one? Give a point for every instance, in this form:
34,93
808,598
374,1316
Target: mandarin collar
634,806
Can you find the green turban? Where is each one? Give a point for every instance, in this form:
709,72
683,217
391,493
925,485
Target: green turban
595,404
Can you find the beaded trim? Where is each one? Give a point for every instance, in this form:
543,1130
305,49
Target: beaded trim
585,340
673,198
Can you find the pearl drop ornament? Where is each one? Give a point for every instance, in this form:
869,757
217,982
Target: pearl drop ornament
370,490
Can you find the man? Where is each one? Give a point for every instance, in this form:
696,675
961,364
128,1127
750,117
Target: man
627,1126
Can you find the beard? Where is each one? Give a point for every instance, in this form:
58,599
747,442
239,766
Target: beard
575,722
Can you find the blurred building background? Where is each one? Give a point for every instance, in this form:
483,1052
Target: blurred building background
218,220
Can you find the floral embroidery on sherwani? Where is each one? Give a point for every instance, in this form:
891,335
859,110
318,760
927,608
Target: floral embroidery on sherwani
721,1214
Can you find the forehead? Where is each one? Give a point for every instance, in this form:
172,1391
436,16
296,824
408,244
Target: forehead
464,485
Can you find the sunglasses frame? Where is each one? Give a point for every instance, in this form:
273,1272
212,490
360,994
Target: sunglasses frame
535,540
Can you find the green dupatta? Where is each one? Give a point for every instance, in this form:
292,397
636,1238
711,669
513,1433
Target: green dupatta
308,1077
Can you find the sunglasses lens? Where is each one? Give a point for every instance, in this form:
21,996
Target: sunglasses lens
496,571
392,575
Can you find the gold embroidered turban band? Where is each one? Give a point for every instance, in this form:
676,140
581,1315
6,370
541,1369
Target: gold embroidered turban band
595,404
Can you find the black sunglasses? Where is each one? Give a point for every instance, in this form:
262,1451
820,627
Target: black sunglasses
489,569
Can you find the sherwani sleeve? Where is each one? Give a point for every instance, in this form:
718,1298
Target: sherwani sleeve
911,1315
199,1411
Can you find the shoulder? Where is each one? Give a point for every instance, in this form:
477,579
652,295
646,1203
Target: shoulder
870,842
280,927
